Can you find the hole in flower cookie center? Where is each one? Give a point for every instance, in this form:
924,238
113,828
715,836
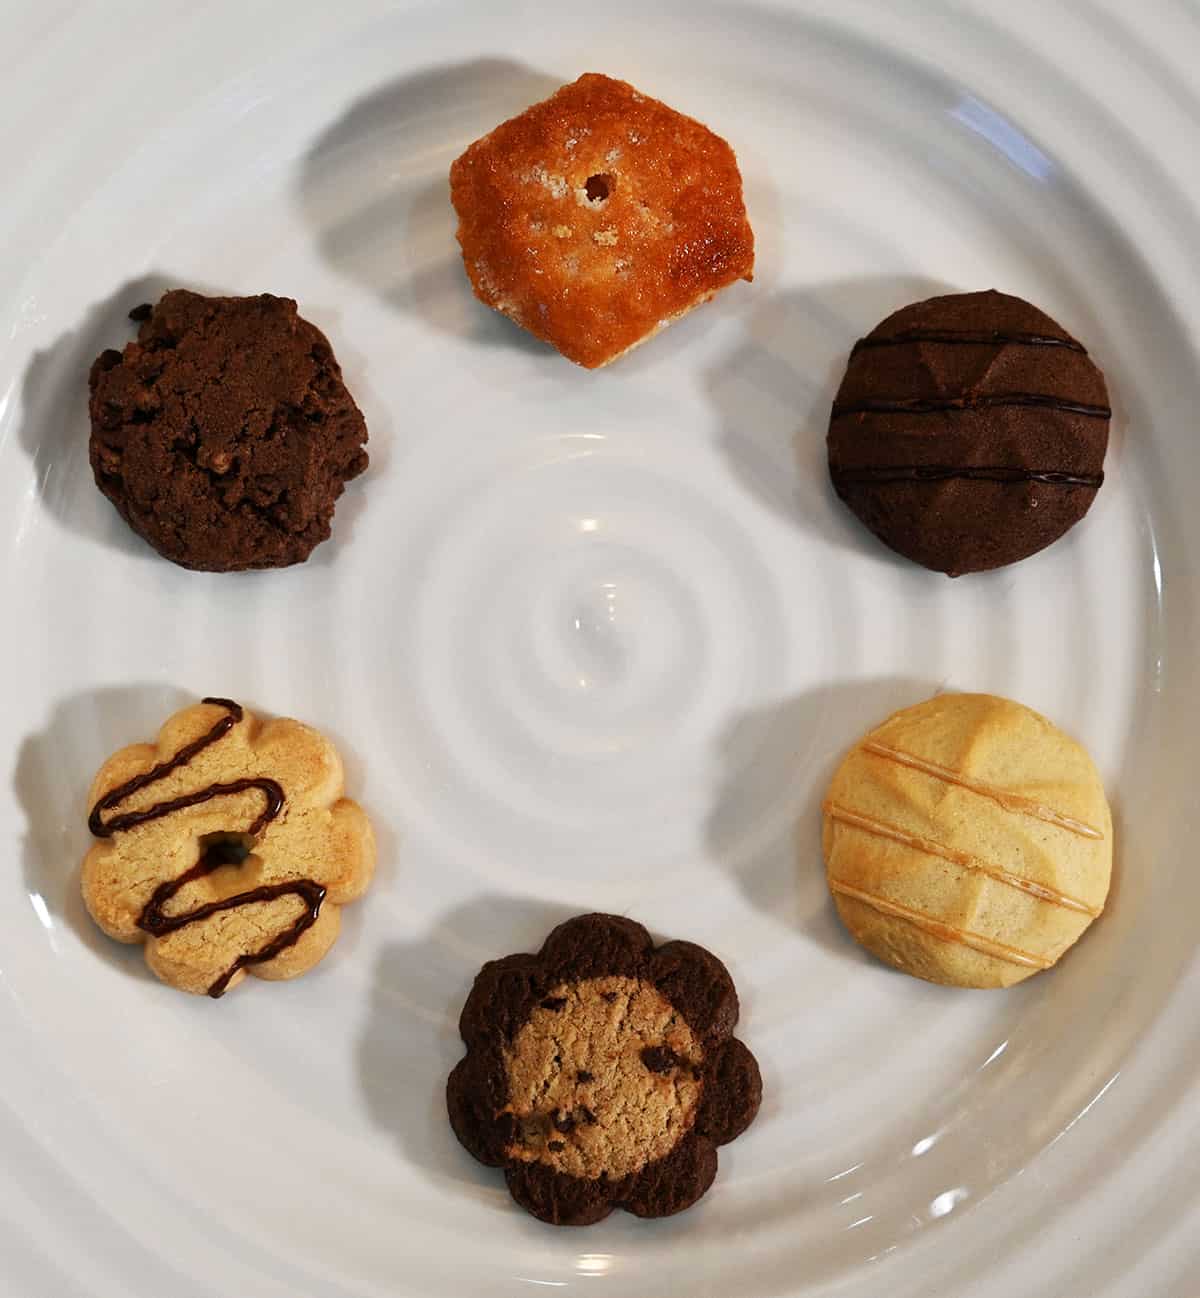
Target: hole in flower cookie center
225,848
598,187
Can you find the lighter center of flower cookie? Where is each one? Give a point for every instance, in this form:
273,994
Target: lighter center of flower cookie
602,1079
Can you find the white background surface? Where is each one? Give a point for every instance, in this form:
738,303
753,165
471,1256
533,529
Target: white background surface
596,640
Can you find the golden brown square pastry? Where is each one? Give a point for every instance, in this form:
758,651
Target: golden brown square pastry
598,216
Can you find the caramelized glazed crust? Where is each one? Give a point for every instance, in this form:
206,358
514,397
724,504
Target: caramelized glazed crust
598,216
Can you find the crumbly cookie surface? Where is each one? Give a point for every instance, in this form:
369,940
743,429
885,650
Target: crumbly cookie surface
603,1078
602,1072
224,435
598,216
968,841
226,847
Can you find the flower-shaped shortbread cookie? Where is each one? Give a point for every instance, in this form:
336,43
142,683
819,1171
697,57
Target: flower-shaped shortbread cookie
602,1073
226,847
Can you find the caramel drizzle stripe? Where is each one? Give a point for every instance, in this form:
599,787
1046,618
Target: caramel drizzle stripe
997,337
1012,802
947,932
882,829
152,920
979,401
972,473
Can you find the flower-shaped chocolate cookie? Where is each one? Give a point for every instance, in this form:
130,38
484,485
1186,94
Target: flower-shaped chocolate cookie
227,848
602,1072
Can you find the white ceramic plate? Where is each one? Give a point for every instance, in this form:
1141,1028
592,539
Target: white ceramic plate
596,640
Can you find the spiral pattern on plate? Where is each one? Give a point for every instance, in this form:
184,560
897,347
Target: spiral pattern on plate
599,640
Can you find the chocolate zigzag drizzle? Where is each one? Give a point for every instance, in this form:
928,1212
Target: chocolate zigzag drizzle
975,473
986,337
153,920
978,401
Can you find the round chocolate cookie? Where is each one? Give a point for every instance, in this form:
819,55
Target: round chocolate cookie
969,431
602,1073
224,435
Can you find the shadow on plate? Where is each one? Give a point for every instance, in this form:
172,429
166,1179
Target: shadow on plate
374,189
54,422
765,823
774,391
54,767
53,770
55,426
411,1039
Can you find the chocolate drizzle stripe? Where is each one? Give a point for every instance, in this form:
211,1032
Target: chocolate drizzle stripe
157,924
947,932
1012,802
980,401
153,920
269,788
971,473
156,773
882,829
969,337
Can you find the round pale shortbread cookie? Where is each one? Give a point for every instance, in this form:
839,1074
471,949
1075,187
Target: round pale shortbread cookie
967,841
226,847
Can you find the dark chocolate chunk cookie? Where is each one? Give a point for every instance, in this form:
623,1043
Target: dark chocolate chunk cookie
969,431
602,1073
224,435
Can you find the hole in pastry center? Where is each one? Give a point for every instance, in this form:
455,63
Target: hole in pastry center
225,848
598,187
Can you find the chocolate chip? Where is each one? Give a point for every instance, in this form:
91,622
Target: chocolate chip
660,1059
142,312
531,1130
609,996
107,360
584,1076
556,1145
563,1122
588,1116
553,1003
